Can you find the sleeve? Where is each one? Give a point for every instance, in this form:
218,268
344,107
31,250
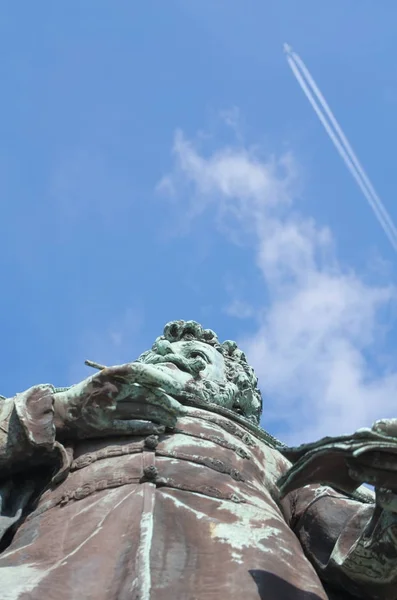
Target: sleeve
29,454
27,430
352,545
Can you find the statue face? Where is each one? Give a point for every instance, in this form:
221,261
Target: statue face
214,368
187,366
193,359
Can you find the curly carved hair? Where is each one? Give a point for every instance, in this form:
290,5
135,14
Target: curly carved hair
238,371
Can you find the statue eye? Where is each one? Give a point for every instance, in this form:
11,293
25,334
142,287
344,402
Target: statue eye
199,353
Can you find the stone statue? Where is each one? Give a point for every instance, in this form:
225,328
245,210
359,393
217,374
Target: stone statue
153,480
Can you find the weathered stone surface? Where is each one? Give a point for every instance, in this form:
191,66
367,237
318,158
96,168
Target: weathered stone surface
152,480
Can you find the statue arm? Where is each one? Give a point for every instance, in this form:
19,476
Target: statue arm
27,430
123,400
352,545
129,399
29,452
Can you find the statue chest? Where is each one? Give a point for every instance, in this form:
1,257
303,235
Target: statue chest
192,515
205,454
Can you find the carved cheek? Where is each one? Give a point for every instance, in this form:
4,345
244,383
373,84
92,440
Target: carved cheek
216,370
212,373
219,373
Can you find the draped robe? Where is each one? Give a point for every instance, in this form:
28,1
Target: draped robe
192,514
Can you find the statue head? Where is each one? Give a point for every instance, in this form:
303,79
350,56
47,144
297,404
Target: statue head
212,371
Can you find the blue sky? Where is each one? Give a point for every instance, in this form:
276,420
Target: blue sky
158,161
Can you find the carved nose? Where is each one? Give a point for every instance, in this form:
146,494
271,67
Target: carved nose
164,347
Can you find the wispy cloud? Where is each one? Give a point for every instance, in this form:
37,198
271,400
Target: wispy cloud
317,332
239,309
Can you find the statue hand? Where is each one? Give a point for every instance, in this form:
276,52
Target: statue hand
386,426
129,399
346,461
380,467
387,499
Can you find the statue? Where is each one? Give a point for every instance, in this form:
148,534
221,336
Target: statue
153,480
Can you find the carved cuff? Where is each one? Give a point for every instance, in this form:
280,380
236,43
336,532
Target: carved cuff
369,560
36,415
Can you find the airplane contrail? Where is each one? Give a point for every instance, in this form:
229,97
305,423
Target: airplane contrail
347,157
337,136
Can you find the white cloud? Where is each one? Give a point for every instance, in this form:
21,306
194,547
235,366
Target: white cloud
239,309
314,348
232,118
